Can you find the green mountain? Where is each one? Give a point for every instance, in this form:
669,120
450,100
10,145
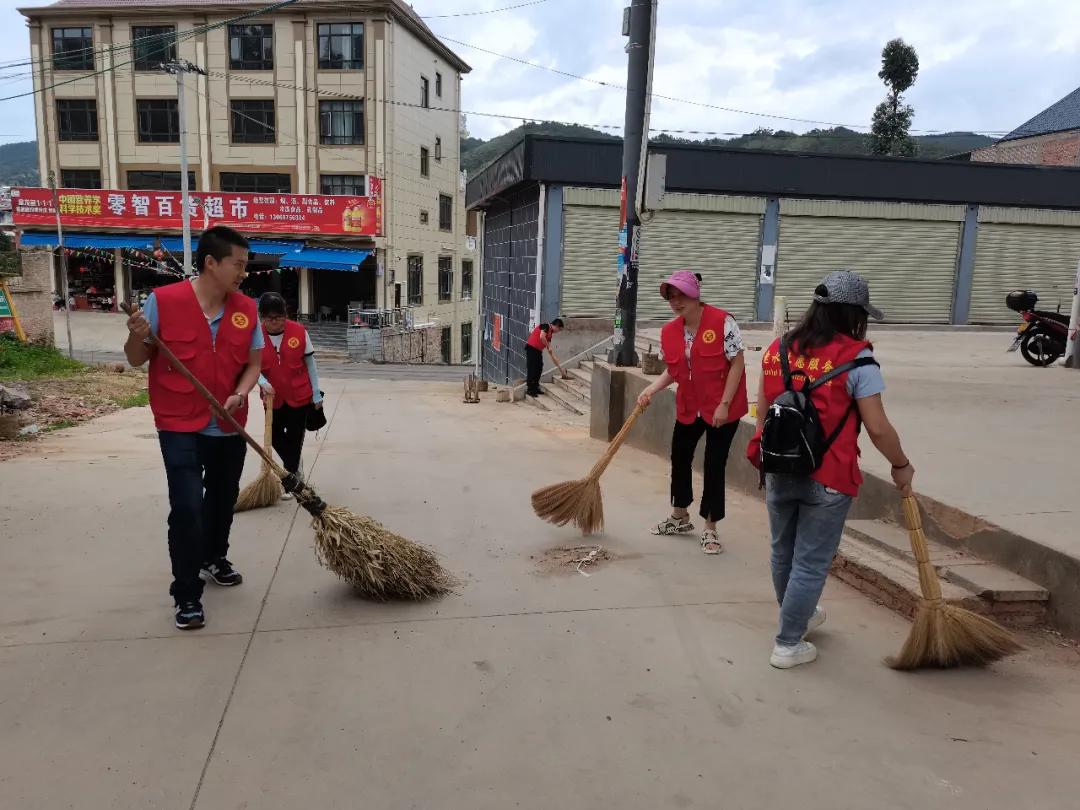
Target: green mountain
476,153
19,164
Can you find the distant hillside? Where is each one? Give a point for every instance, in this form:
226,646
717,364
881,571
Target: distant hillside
19,164
476,153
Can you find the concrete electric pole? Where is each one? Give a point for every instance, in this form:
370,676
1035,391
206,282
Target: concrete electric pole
639,24
180,68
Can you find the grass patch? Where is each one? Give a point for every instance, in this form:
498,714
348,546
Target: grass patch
140,399
31,361
63,424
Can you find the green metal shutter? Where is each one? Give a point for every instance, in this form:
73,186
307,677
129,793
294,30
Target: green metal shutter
590,280
722,247
1011,257
910,264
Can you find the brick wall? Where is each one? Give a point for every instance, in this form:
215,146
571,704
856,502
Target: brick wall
33,295
1058,149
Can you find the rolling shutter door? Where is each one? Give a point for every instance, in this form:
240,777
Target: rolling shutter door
722,247
1010,257
910,264
590,280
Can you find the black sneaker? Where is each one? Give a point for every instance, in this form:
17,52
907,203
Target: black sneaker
221,572
189,615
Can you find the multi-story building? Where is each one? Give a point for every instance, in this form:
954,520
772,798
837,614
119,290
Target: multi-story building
317,97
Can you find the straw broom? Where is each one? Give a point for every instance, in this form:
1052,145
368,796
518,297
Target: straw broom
378,563
581,502
265,490
945,635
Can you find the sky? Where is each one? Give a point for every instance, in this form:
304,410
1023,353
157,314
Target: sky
985,65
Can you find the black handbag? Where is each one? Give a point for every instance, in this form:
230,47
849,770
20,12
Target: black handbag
316,417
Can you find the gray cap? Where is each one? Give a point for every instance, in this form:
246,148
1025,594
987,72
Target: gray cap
845,287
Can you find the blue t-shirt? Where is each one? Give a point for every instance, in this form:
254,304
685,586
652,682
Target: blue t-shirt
865,381
150,312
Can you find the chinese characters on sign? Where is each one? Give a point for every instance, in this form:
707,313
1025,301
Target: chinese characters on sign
266,213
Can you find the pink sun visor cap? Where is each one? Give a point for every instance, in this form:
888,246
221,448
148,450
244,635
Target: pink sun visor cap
685,281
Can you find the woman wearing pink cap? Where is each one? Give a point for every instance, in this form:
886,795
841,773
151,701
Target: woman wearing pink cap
703,350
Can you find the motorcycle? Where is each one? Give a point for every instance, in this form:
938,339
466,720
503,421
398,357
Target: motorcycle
1042,337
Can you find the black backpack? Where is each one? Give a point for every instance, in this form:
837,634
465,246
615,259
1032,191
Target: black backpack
793,441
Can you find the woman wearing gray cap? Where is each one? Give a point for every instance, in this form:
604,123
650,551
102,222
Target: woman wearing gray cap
809,456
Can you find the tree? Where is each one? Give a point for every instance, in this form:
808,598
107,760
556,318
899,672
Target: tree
892,118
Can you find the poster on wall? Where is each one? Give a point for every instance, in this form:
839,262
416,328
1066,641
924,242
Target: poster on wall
336,215
496,334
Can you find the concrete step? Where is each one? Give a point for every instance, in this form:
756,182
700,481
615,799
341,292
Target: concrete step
331,355
582,376
875,557
561,398
573,388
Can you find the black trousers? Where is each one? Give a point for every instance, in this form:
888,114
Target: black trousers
204,479
684,442
534,364
288,434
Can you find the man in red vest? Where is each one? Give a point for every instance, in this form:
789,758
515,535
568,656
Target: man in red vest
213,329
539,340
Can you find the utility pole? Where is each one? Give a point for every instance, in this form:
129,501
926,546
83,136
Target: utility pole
180,68
63,264
1072,343
639,24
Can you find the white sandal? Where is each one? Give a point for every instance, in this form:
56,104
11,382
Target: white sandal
710,544
673,525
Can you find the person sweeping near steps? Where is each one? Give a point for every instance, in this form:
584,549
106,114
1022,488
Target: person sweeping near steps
703,349
538,341
290,376
213,329
819,384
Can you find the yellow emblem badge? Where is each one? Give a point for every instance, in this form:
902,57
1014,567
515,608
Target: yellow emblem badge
709,336
294,342
240,320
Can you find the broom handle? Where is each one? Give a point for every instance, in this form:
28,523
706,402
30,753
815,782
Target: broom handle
215,406
616,443
268,423
928,576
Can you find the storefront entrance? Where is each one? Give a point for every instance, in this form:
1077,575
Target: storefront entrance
335,291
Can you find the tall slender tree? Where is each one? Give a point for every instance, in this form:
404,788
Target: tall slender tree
892,118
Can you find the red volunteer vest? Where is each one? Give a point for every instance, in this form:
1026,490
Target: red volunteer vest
840,468
702,381
284,368
217,364
534,338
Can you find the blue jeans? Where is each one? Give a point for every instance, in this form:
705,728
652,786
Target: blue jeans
204,480
806,520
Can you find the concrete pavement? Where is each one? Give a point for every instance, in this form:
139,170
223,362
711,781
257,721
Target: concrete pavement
643,685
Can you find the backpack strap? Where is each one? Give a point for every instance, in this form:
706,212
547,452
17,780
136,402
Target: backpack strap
785,367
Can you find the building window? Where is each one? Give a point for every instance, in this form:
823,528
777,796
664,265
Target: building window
425,92
466,280
73,48
76,119
252,121
424,218
80,178
159,120
438,85
466,342
446,279
341,46
346,185
415,280
445,340
446,212
251,47
438,149
425,162
341,122
158,181
256,183
153,45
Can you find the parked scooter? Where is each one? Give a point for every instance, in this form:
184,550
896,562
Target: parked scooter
1041,338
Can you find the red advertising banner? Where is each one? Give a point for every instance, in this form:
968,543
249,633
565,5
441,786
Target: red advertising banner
159,210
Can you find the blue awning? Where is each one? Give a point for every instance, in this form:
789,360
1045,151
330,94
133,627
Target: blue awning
326,259
87,240
174,244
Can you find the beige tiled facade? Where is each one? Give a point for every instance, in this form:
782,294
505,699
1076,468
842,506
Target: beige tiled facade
398,52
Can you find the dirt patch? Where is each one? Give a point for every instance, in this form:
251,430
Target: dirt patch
584,559
67,401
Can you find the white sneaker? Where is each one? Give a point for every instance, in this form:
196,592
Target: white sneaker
786,656
816,620
287,496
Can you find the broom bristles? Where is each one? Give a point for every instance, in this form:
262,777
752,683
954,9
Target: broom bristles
577,502
946,636
264,491
378,563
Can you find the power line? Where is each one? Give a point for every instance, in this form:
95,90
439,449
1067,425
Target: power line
480,13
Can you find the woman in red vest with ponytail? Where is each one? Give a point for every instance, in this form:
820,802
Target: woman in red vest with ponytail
703,350
807,513
290,376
